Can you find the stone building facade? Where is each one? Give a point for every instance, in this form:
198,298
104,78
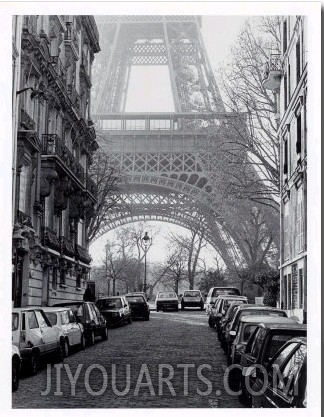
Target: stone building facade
287,74
54,139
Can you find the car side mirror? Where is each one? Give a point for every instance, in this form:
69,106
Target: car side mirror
148,298
232,333
212,303
180,295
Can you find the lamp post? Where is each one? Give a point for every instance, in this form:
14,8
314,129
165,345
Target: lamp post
146,241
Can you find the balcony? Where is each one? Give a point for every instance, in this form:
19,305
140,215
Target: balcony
91,186
82,254
53,145
84,72
67,247
272,73
74,97
24,219
50,239
59,68
26,122
71,39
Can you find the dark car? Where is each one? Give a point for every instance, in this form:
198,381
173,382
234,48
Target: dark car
192,298
115,310
227,318
248,310
219,309
263,344
147,298
94,323
139,307
166,300
286,382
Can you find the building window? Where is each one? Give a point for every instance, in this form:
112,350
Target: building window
285,159
289,292
298,61
284,293
285,91
300,221
80,232
54,279
62,276
289,84
78,280
299,135
286,233
285,35
24,189
301,288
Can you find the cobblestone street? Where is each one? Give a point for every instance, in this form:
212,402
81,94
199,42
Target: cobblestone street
170,338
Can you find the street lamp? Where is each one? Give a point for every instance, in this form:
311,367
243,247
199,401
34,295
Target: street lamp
146,241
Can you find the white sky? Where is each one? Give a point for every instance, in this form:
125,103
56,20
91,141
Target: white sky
146,94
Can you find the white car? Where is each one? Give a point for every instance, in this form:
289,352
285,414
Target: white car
15,366
34,336
67,327
166,300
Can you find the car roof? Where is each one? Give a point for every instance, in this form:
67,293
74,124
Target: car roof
29,308
258,307
69,303
233,296
55,309
299,339
283,326
265,319
113,297
192,290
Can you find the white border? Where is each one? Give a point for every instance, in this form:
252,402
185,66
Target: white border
313,11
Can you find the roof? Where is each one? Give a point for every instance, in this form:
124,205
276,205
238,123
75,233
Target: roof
29,308
283,326
54,309
266,319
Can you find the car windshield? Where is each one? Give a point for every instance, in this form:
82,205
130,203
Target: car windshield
109,303
262,313
167,295
191,294
247,331
52,317
135,298
15,321
227,303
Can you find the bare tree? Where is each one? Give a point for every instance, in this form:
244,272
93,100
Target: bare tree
253,151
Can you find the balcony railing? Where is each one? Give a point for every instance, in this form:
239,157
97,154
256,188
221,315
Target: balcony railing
53,145
71,35
50,239
59,68
91,186
162,121
74,96
26,121
83,254
24,219
67,246
272,72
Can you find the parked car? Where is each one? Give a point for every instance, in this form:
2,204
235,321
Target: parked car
248,310
15,368
139,307
220,307
94,323
166,300
115,309
263,344
225,320
192,298
245,328
147,298
289,390
34,336
65,322
214,292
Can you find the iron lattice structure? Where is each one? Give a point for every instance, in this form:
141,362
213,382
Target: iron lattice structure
167,174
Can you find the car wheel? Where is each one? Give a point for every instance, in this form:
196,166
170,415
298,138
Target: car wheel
210,322
82,343
130,320
104,335
147,318
242,397
92,339
157,309
182,307
177,308
34,363
15,374
202,307
65,348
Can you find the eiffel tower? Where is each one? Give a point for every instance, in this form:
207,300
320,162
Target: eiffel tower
167,174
